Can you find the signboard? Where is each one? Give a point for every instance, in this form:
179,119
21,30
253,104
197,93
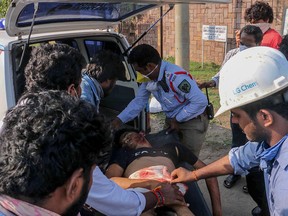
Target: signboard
214,33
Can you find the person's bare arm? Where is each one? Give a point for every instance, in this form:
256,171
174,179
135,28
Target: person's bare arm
115,173
171,194
213,188
116,123
114,170
217,168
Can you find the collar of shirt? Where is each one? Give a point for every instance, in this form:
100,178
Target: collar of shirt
19,207
282,159
98,87
267,154
162,70
96,84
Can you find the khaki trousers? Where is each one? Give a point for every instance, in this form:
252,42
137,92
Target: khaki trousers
192,132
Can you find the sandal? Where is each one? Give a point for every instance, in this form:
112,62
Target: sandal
257,211
245,189
231,180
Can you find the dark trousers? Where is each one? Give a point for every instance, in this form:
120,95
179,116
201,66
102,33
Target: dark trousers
256,189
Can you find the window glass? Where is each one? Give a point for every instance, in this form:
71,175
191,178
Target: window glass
94,46
53,12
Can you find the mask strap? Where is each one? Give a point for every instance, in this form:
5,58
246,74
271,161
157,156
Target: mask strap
147,75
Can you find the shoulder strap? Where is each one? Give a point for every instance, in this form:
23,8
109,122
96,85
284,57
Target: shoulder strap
163,83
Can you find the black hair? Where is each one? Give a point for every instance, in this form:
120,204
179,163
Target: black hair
117,136
259,10
106,65
44,139
144,54
253,30
53,66
283,47
276,102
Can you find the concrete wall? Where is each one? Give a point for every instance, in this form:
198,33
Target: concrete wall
230,15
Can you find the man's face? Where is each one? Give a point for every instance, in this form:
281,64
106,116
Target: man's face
253,130
150,70
75,207
75,91
247,40
132,139
108,87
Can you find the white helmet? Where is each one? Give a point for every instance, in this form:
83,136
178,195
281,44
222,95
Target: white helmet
251,75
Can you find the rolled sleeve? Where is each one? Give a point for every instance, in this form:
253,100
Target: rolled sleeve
216,79
243,158
108,198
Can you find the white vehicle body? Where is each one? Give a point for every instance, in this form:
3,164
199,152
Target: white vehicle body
85,25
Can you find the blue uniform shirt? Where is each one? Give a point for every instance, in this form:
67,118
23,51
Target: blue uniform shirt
276,177
184,100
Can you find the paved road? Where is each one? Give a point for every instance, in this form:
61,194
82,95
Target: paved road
234,201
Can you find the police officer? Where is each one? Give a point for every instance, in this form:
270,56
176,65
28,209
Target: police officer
182,101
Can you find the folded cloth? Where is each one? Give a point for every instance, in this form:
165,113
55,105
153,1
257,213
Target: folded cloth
159,173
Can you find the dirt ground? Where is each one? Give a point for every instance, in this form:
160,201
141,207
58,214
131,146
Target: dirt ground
217,144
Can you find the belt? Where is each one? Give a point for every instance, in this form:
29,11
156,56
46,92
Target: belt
199,116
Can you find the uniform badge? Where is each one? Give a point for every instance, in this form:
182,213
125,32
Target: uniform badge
184,86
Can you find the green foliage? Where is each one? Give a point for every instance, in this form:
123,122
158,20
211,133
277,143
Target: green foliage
170,59
205,74
3,7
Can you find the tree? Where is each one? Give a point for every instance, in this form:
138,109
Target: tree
3,7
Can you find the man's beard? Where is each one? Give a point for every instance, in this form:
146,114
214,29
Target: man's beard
74,209
108,90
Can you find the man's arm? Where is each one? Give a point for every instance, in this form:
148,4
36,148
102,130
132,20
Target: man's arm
239,160
136,105
186,155
115,173
105,196
217,168
213,188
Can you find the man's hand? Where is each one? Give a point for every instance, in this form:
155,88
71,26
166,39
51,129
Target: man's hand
172,195
173,126
182,175
116,123
208,84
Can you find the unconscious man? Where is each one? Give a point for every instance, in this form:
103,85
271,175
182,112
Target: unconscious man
134,157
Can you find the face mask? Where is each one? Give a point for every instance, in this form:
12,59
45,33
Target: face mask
147,75
141,78
152,86
242,47
263,26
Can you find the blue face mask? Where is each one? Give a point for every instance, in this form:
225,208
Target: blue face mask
242,47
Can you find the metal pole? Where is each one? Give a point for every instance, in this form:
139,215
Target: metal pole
202,53
161,32
182,36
